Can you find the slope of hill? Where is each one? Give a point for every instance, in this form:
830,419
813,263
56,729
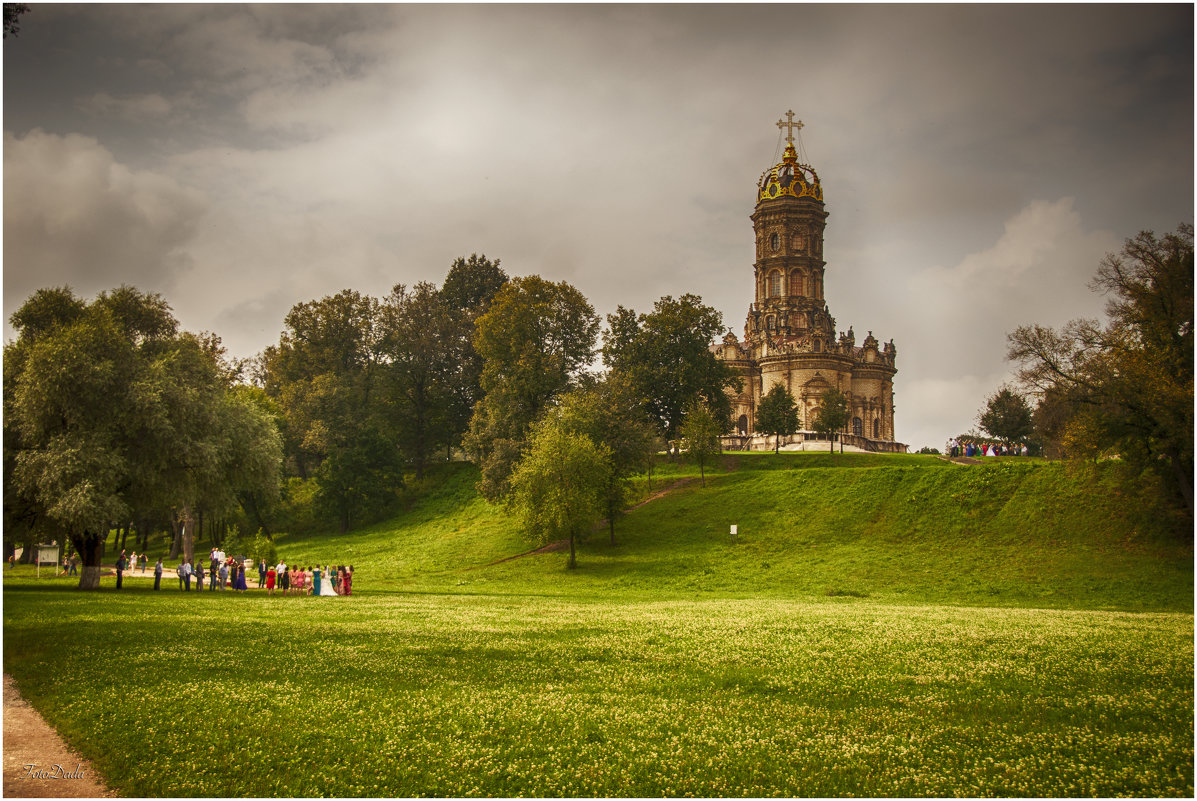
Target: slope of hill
894,529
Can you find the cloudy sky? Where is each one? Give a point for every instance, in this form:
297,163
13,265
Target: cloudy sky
977,161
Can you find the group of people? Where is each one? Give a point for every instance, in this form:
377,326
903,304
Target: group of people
224,572
228,572
296,580
963,447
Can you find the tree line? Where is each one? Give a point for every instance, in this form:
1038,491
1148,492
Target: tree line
116,419
1122,388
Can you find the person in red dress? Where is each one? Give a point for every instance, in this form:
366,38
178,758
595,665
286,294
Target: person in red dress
348,581
270,576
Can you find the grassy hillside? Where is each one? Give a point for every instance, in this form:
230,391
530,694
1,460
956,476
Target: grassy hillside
837,648
905,529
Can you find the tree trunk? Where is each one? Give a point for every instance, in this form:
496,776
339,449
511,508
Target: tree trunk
187,534
91,548
28,549
176,542
573,560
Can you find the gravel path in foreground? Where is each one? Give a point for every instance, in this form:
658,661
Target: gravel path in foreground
37,763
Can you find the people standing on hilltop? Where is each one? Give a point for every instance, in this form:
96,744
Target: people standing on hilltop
158,574
199,575
284,580
271,577
261,573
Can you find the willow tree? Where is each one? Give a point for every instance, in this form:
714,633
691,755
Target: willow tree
117,413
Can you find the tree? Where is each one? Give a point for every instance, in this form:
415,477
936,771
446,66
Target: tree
609,412
1006,417
1126,387
777,414
325,375
420,364
832,415
667,357
558,487
534,340
470,286
116,415
12,14
700,432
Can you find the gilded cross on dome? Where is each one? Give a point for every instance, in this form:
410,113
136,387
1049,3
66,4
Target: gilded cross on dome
791,125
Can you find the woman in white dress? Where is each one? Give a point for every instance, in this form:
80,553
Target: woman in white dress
326,587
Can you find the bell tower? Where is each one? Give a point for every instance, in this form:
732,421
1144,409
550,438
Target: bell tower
790,338
788,224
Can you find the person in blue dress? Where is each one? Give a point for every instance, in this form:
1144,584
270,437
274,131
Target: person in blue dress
316,580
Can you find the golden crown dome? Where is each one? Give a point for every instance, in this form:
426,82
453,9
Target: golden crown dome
789,179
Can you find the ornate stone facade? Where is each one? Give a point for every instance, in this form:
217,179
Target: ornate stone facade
790,336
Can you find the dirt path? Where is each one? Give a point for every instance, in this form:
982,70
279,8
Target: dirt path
37,763
562,544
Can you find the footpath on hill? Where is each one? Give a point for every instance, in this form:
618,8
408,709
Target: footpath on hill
37,763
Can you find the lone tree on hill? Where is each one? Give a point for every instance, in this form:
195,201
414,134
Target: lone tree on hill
700,436
1007,417
832,416
610,413
777,414
1125,388
558,488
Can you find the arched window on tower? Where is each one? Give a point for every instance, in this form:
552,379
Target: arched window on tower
857,427
775,284
797,283
771,322
876,429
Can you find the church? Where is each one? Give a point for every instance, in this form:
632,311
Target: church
790,336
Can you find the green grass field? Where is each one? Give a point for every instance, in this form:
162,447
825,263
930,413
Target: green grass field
882,626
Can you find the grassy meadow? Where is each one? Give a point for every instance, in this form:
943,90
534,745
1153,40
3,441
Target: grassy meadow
883,625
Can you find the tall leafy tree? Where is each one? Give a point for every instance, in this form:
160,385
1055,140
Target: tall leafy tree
1007,416
667,357
419,367
1127,385
700,432
609,412
777,414
557,489
534,340
324,374
832,415
117,414
470,286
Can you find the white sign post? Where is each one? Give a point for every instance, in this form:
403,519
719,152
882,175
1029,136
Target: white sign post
47,553
734,531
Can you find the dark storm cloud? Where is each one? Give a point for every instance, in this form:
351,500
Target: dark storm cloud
977,160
